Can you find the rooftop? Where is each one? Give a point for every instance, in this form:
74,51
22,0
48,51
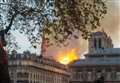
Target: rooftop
36,59
99,33
97,61
106,51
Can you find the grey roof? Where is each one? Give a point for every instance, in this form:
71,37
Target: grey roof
97,61
106,51
99,33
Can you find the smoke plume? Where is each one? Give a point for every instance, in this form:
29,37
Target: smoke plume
110,23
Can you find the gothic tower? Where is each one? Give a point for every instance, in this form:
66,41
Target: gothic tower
99,40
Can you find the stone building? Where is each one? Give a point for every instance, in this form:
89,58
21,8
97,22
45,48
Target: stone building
99,40
29,68
101,60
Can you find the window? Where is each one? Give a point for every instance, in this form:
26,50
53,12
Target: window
22,81
89,76
118,76
22,75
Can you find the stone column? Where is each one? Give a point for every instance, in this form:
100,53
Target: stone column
113,74
93,74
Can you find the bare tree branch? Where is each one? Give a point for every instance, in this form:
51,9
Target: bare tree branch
10,24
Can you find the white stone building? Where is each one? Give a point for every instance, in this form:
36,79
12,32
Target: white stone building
29,68
101,60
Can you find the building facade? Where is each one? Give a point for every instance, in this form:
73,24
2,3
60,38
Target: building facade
29,68
101,60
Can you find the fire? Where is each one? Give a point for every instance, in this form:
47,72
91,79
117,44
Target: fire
67,56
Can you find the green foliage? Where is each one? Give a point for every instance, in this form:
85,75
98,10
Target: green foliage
26,16
56,20
76,16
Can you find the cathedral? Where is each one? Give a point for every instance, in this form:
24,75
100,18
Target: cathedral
102,60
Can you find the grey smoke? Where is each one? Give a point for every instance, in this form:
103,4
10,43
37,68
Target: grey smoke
110,24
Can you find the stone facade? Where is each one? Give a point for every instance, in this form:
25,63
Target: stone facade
101,60
29,68
99,40
89,73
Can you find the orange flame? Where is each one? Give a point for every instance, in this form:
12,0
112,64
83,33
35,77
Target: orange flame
66,57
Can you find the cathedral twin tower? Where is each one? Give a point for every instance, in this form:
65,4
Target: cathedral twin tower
99,40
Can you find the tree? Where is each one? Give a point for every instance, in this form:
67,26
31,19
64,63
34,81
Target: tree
56,20
26,16
76,16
